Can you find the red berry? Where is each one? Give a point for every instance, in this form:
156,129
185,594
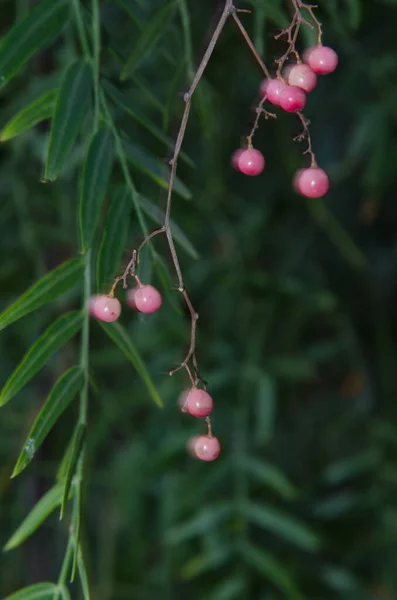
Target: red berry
204,447
292,98
250,162
197,403
104,308
321,59
145,299
271,88
312,183
301,76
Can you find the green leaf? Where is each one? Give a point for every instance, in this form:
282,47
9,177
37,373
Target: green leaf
83,574
232,588
270,568
354,466
282,525
121,338
96,173
71,107
204,522
265,408
44,507
49,287
158,216
114,237
61,395
147,40
38,591
154,168
64,593
28,36
25,119
74,455
270,476
125,102
37,356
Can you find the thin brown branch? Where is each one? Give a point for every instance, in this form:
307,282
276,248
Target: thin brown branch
249,42
305,135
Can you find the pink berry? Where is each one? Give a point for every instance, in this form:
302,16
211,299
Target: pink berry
145,299
301,76
251,162
292,98
271,88
104,308
235,158
321,59
312,183
204,447
197,403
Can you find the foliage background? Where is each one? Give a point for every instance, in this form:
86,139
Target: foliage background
297,329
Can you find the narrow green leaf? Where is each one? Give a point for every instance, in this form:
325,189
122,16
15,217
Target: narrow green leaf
154,168
37,356
28,36
282,525
44,507
75,452
96,173
64,593
272,569
232,588
158,216
270,476
121,338
71,106
147,40
83,574
204,522
354,466
61,395
126,103
114,237
49,287
25,119
265,408
38,591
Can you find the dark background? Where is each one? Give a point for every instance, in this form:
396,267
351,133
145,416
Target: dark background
296,336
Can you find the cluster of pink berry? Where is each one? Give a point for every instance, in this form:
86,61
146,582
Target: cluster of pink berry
142,298
196,402
289,93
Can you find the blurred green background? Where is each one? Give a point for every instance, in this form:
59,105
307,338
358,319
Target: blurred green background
297,328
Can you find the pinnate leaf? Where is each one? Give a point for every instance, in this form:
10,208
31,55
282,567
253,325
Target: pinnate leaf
282,524
96,173
38,591
74,453
114,237
121,338
28,36
271,568
37,356
61,395
148,39
49,287
44,507
70,109
37,111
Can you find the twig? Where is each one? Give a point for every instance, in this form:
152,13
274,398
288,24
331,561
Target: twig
305,134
